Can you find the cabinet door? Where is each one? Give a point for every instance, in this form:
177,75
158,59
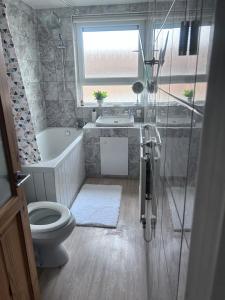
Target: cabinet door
114,155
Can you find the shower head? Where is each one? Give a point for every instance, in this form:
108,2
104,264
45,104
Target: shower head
53,21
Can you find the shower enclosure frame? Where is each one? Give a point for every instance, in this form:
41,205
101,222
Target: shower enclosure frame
206,271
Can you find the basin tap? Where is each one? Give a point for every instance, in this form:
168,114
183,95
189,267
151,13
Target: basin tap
129,112
104,113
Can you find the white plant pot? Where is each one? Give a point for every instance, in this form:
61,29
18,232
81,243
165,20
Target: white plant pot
100,103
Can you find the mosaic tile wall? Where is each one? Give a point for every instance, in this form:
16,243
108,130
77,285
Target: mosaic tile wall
26,138
23,26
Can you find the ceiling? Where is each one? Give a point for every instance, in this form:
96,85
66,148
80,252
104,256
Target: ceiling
43,4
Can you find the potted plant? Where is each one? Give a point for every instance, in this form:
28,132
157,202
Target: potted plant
100,96
189,94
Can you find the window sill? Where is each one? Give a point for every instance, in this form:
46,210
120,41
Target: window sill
110,105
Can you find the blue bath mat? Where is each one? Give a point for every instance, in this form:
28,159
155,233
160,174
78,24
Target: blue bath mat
97,205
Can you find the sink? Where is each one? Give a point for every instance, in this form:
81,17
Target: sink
115,121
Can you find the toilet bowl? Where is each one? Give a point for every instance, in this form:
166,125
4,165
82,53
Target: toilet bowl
51,223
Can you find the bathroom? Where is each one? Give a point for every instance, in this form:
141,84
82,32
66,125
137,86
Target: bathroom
110,185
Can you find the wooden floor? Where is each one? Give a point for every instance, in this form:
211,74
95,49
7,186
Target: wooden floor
116,264
166,272
105,264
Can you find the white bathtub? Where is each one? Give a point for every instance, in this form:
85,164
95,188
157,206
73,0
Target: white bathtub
61,172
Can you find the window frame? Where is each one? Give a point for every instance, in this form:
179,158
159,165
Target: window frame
117,24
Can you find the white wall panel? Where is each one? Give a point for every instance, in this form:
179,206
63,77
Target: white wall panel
114,156
60,184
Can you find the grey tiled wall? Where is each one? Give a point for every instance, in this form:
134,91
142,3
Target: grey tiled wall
41,61
175,144
60,107
23,26
60,104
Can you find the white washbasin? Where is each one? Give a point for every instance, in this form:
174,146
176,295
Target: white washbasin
115,121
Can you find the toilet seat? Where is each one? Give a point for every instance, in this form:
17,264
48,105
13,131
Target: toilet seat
60,213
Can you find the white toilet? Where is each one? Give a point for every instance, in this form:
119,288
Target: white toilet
51,223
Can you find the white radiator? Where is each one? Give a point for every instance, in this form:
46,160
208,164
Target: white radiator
142,184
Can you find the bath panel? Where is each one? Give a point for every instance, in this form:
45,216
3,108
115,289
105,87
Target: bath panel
60,174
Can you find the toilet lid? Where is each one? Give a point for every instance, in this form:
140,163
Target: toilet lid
47,216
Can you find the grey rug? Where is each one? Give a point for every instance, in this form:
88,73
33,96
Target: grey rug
176,203
97,205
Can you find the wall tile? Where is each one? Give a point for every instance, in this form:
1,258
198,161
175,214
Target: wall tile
114,132
65,30
47,36
48,70
60,114
23,25
69,70
91,133
93,169
53,113
34,92
92,153
50,91
134,136
47,50
69,93
134,170
106,132
26,139
134,153
67,115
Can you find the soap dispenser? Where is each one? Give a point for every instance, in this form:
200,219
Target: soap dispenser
93,115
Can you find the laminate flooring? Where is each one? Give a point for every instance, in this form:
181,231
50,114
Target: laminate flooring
104,264
117,264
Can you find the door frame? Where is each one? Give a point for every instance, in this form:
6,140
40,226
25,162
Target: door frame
206,271
17,204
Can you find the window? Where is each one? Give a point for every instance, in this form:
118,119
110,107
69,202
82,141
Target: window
109,59
179,72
